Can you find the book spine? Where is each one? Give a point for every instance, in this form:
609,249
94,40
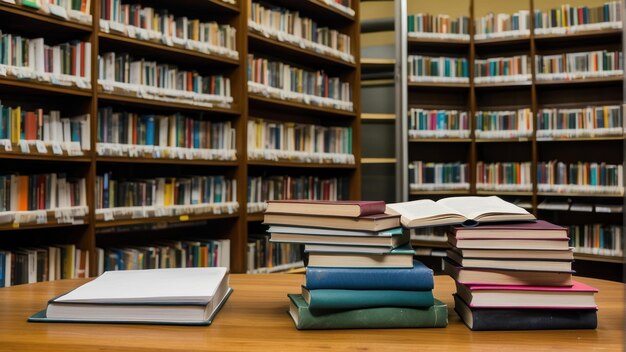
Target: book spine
329,299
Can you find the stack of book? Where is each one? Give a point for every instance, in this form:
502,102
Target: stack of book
519,270
360,273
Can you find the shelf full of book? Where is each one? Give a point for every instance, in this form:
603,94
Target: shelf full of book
541,118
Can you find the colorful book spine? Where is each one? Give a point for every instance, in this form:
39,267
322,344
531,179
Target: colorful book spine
502,69
568,19
590,121
38,264
285,82
502,25
583,65
504,176
62,64
344,6
73,10
424,25
166,254
504,124
438,69
288,26
430,176
264,188
148,23
23,193
424,123
276,141
598,239
269,257
582,177
37,130
174,136
163,82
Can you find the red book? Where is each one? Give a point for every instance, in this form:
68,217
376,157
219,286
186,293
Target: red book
30,126
577,296
346,208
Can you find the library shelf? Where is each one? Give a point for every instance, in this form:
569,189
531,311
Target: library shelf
292,52
505,41
164,219
582,81
279,268
503,84
504,140
378,160
295,164
165,161
580,139
432,244
318,10
504,193
164,52
440,140
378,117
377,63
599,258
288,106
28,16
254,217
578,35
465,192
441,85
50,224
416,41
36,86
140,102
201,6
574,194
16,154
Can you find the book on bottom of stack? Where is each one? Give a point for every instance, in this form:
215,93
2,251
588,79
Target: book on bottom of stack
517,276
177,296
360,270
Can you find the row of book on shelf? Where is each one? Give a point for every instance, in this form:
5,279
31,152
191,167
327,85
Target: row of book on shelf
55,262
288,26
265,256
552,176
264,188
569,205
565,19
590,121
72,10
566,66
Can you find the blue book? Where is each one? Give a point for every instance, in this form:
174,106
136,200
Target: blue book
418,278
196,134
149,121
332,299
2,269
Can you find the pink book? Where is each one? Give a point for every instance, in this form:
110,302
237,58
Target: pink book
346,208
524,230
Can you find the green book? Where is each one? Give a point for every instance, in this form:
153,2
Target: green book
332,299
435,316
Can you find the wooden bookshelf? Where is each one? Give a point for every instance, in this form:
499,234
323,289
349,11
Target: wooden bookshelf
295,164
166,161
295,107
534,94
599,258
163,219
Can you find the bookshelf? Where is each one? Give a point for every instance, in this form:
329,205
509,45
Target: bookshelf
277,167
506,97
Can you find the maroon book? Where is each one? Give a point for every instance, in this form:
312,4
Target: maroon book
541,230
346,208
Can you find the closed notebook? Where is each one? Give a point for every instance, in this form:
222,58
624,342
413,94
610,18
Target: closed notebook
331,299
506,277
346,257
484,319
577,296
419,277
346,208
541,229
156,296
435,316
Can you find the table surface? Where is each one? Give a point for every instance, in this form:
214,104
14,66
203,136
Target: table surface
255,318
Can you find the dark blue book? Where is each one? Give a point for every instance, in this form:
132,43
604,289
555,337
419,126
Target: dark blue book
149,121
418,278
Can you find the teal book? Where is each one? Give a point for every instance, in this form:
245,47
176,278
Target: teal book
435,316
330,299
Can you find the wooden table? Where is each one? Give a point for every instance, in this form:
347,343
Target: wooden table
255,318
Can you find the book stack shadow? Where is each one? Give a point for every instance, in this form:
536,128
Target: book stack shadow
360,271
517,276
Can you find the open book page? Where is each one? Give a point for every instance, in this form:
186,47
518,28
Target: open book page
421,209
176,285
475,208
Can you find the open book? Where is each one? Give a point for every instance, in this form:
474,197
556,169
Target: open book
188,296
468,211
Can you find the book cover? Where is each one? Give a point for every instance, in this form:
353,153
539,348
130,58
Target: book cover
343,257
520,230
435,316
330,208
378,222
506,277
484,319
417,278
332,299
